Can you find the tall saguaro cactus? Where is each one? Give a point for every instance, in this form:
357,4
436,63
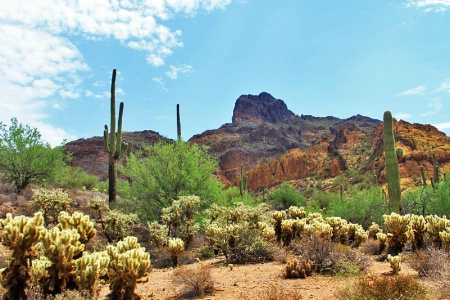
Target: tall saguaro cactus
178,123
392,172
113,143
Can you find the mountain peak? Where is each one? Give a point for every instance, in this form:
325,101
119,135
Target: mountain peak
261,108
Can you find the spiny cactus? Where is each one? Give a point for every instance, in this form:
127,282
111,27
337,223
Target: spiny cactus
339,227
89,268
39,269
416,232
298,269
373,231
397,227
287,232
435,225
128,263
392,172
82,223
436,175
381,238
297,212
51,203
113,143
242,181
157,233
395,262
424,179
445,239
60,247
278,217
21,234
356,235
175,247
178,123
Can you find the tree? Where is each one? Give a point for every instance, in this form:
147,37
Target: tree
24,157
163,171
286,196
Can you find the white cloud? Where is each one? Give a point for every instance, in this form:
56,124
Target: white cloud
429,5
444,86
39,61
436,104
184,69
419,90
442,126
402,116
161,83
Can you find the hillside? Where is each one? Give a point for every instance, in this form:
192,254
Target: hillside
274,144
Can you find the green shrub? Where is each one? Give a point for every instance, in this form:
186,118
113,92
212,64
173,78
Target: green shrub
286,196
74,178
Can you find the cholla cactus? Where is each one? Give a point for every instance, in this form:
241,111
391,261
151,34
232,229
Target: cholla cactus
314,217
356,235
287,231
51,203
60,247
339,228
20,234
128,263
299,227
319,228
89,268
373,231
297,212
435,225
278,217
416,232
157,233
301,269
82,223
175,247
445,239
396,226
39,269
382,238
395,262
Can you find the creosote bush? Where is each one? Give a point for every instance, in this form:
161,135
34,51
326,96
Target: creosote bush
430,262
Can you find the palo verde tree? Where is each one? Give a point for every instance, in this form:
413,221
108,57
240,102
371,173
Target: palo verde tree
24,157
113,143
164,171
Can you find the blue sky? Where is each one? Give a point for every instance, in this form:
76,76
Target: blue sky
338,58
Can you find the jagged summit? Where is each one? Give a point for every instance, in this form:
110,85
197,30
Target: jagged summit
261,108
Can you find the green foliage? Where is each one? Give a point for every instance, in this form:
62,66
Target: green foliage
359,206
24,157
392,172
164,171
286,196
51,203
321,200
68,177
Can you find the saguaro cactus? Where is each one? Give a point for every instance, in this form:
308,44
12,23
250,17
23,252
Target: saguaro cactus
392,172
113,143
242,181
178,123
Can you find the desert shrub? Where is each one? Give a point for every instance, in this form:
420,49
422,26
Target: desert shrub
69,177
359,206
372,287
163,172
319,250
321,200
286,196
430,262
371,247
274,292
195,281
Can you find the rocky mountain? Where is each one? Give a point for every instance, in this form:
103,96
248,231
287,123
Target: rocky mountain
89,154
275,145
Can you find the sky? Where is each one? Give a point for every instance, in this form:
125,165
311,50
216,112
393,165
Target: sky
321,57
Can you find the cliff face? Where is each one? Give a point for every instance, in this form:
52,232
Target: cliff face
275,145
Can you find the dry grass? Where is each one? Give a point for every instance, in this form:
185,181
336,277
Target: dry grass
382,287
195,281
433,263
274,292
